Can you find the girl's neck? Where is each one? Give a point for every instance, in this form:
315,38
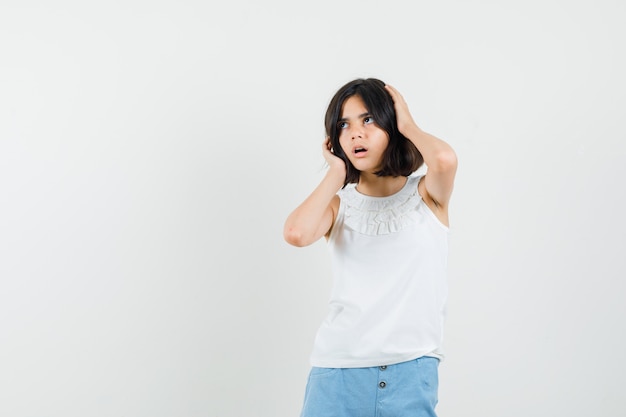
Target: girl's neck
374,186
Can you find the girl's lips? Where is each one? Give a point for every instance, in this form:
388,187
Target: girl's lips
359,152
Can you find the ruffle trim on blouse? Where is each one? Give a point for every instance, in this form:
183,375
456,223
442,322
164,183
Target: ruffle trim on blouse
381,215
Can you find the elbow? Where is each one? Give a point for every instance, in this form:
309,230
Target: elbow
294,237
445,161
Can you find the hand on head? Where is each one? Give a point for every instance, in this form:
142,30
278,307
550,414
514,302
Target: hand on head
403,115
333,161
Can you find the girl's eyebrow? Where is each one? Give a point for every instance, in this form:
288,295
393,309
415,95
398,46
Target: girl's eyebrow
360,116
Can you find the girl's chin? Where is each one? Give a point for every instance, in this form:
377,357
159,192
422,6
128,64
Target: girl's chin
361,166
368,171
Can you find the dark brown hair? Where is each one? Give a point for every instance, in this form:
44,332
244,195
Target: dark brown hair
401,157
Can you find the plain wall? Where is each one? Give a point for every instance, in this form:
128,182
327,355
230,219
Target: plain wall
150,152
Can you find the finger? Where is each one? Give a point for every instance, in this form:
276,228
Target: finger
395,94
391,90
327,146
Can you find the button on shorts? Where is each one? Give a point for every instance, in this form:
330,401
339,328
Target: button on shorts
407,389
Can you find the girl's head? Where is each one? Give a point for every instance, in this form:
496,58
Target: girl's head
400,157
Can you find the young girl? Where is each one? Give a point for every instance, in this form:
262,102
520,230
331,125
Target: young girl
377,352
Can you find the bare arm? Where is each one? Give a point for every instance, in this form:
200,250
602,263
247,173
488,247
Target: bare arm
315,216
438,155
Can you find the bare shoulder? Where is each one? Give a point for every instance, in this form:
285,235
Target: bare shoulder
440,210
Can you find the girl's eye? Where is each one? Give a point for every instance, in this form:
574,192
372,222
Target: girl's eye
342,125
368,120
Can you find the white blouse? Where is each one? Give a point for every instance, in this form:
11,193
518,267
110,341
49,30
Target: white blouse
389,261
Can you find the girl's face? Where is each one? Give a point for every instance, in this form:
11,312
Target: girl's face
361,139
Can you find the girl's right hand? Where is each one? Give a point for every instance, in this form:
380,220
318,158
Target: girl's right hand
333,161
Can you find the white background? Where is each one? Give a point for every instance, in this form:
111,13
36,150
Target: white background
150,152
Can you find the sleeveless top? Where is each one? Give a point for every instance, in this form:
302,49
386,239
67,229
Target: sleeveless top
389,261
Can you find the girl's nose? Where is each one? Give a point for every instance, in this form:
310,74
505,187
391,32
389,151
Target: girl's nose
357,132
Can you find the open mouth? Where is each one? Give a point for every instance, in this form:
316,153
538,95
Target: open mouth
359,150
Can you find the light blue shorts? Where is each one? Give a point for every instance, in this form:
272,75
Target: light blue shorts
407,389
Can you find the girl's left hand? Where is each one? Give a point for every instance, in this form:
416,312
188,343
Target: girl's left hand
403,115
